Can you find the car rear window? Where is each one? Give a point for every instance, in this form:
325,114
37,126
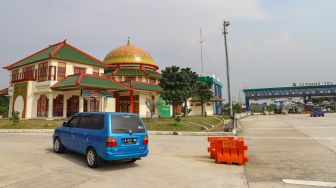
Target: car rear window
127,124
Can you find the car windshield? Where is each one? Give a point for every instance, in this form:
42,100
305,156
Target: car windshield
317,109
127,124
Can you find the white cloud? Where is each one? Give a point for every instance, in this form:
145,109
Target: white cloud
285,50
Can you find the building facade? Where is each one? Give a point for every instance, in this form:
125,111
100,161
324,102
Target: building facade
215,105
61,80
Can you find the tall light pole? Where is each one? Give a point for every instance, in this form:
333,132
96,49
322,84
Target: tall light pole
225,25
201,42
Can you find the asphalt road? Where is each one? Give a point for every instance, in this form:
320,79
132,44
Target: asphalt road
289,147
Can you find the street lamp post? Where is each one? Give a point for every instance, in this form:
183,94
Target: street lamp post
225,25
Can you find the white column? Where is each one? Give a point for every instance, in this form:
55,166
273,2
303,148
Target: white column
102,104
50,105
81,104
10,105
65,98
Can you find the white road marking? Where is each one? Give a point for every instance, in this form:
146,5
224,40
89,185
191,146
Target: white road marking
288,128
312,183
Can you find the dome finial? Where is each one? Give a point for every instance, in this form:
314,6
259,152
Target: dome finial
129,40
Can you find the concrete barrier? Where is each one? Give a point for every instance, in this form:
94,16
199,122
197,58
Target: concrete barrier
236,119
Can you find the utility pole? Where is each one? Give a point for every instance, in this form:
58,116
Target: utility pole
201,42
225,25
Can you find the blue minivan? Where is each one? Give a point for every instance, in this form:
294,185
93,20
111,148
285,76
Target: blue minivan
317,112
103,136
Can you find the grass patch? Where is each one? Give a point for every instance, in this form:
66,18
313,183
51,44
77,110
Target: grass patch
169,124
30,124
161,124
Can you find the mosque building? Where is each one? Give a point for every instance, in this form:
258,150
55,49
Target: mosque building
61,80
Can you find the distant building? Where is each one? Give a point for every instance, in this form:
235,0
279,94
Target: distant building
215,105
61,80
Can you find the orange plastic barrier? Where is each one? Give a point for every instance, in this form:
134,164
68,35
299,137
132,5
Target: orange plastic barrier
228,150
306,112
212,148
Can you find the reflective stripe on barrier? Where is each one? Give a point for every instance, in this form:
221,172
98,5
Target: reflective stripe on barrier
212,140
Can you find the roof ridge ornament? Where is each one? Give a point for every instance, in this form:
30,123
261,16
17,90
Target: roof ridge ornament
129,41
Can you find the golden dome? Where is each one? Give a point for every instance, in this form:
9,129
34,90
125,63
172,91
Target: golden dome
129,54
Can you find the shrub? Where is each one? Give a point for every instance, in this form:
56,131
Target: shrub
178,117
15,118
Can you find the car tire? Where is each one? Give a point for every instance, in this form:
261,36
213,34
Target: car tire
92,158
132,161
58,146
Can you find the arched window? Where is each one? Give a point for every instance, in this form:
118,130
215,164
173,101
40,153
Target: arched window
58,106
42,106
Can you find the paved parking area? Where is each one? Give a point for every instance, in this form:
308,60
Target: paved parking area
294,147
27,160
289,147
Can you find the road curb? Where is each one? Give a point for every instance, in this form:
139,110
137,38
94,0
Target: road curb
26,130
181,133
177,133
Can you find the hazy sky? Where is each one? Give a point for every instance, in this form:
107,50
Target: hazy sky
271,43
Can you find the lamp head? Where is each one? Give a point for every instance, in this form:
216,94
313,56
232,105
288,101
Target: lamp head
226,23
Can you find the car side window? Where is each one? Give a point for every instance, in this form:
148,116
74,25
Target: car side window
84,121
96,122
73,122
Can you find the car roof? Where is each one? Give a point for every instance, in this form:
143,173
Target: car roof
105,113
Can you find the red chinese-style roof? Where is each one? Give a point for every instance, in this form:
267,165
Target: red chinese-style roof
62,51
88,81
146,86
4,92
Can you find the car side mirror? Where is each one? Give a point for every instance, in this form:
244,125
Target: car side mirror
64,124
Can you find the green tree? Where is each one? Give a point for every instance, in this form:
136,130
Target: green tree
177,84
190,78
204,93
271,107
237,108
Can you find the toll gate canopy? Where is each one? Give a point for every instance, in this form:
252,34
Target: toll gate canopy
287,92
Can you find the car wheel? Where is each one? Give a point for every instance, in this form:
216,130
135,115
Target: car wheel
58,146
132,161
92,158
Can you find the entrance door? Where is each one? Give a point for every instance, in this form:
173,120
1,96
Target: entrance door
85,105
124,102
42,106
72,105
94,104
